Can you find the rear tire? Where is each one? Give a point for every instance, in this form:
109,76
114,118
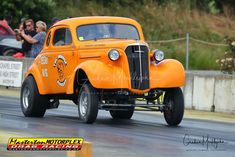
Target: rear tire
32,103
174,111
123,114
88,103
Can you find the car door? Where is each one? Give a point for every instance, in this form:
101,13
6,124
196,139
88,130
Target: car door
61,60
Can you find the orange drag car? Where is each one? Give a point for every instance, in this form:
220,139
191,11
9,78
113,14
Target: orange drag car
102,63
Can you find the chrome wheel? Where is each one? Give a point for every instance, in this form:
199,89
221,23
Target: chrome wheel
87,103
31,102
83,104
26,97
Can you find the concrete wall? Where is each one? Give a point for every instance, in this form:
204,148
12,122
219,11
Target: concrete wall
204,90
210,91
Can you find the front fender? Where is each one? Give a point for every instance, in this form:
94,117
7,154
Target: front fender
167,74
101,75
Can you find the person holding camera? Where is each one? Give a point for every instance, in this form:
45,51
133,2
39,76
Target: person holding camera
37,41
17,31
28,27
30,31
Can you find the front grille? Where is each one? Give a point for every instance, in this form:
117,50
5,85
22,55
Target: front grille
138,65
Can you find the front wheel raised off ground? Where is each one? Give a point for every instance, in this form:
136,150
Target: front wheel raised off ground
32,103
174,110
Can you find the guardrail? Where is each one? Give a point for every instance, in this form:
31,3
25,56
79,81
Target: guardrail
187,42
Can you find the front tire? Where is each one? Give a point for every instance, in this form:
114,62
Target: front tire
174,111
88,103
126,113
32,103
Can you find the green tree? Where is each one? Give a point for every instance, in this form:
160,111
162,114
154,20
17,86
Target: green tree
35,9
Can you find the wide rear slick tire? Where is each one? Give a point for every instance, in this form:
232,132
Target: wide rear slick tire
32,103
88,103
174,111
126,113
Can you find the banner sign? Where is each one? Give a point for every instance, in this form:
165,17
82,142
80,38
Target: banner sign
44,144
10,73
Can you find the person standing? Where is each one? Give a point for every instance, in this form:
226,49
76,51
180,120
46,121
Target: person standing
30,31
5,29
53,21
37,41
22,26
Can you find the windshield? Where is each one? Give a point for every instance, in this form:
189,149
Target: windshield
104,31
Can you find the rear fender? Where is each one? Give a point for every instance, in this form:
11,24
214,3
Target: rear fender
35,72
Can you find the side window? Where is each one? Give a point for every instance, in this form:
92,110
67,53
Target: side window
48,39
68,37
62,37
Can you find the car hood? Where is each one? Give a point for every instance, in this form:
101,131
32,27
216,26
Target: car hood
109,43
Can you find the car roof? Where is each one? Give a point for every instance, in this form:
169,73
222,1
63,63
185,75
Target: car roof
96,19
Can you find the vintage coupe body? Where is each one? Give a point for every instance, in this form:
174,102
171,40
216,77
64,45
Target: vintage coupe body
102,63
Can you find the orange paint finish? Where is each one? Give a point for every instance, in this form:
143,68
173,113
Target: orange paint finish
167,74
55,67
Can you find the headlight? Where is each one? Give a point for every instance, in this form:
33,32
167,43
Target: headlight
158,55
113,55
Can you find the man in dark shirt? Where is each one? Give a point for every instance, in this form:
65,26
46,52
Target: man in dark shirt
26,46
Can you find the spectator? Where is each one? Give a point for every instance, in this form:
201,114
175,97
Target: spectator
22,26
37,40
29,31
54,20
23,21
5,29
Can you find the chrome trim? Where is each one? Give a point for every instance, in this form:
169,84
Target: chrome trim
83,104
136,44
26,97
141,73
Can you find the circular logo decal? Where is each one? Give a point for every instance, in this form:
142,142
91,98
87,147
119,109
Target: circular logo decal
60,64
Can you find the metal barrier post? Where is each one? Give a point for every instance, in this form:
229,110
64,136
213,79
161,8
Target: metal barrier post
187,49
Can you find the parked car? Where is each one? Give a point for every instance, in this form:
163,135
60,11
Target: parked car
102,63
9,45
